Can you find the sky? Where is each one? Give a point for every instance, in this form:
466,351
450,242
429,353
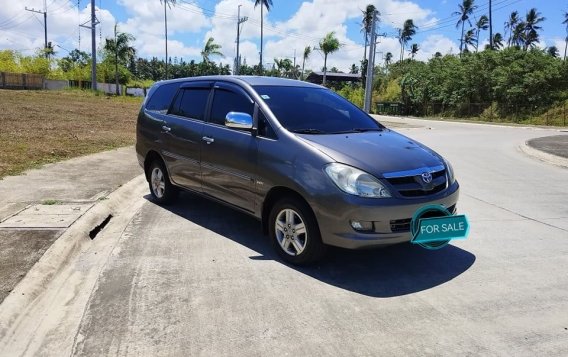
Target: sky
289,26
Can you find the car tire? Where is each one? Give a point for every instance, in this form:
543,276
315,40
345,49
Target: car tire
294,232
161,189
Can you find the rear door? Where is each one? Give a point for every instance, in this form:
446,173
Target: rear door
228,160
183,130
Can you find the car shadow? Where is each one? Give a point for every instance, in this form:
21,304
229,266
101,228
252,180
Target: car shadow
393,271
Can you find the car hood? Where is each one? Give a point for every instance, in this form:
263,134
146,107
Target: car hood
375,152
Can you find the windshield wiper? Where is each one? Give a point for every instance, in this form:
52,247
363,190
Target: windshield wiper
358,130
308,131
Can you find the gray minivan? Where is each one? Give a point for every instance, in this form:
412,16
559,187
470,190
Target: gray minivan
311,166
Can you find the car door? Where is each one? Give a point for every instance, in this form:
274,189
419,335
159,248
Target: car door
228,160
183,130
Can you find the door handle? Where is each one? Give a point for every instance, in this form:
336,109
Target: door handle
208,140
166,129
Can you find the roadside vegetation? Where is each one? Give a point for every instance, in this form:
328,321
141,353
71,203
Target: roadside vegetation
41,127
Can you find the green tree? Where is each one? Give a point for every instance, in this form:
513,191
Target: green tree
354,69
497,41
482,24
211,49
328,45
405,34
414,50
268,4
120,50
552,51
388,59
469,39
518,35
305,56
466,9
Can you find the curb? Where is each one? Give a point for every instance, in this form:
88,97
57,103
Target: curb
32,291
543,156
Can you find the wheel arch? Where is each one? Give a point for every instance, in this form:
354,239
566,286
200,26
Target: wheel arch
150,157
273,196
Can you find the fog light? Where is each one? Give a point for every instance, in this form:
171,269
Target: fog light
362,226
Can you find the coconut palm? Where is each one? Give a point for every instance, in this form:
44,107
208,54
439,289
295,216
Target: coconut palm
552,51
366,24
481,24
510,26
388,59
268,4
305,56
532,21
120,50
565,22
414,50
167,2
328,45
211,49
405,34
469,39
465,11
497,41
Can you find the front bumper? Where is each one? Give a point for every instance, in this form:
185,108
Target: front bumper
390,217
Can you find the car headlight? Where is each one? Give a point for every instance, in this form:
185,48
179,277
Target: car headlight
450,169
355,181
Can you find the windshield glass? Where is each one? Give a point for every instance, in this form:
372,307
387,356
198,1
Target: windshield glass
315,111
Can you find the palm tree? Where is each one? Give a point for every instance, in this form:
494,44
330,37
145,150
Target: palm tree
497,41
388,59
481,24
119,48
414,50
328,45
565,22
211,49
405,34
469,39
354,69
268,4
367,23
510,26
552,51
518,35
167,2
306,55
465,11
532,27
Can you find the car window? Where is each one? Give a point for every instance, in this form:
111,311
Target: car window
226,101
315,110
162,97
264,127
191,103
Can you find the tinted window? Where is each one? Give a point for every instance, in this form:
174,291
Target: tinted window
191,103
225,101
315,110
162,97
264,127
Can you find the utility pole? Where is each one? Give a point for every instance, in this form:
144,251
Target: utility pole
44,13
239,22
490,27
166,30
94,23
370,65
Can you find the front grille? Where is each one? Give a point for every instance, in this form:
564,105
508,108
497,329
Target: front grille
403,225
413,185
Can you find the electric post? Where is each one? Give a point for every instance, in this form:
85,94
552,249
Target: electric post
370,65
44,13
94,23
239,22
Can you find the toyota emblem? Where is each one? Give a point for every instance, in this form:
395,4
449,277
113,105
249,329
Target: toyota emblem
427,177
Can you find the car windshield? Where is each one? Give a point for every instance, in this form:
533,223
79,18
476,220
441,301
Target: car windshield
315,111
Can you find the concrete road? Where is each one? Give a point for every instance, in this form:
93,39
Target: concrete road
197,279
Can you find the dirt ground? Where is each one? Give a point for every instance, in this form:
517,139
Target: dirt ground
39,127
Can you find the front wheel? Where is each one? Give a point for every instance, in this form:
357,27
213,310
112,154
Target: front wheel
294,232
162,190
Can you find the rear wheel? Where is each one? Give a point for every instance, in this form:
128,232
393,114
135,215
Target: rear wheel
162,190
294,232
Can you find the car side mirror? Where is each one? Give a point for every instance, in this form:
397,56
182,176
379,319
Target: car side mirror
238,120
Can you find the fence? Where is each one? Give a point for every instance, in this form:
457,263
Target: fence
528,114
20,81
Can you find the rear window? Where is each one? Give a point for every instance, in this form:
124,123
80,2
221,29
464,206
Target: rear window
315,110
191,103
162,97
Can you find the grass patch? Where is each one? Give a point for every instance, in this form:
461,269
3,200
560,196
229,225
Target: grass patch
50,202
40,127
